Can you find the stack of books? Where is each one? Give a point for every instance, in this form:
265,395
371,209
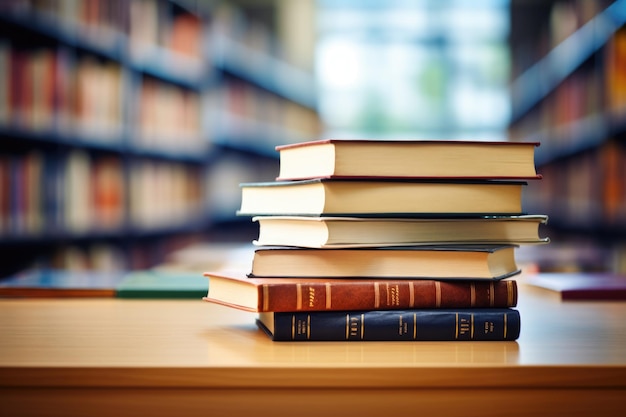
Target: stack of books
387,240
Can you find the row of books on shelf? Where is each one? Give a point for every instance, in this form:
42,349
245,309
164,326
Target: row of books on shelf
581,77
53,90
386,240
580,107
258,115
44,194
586,191
45,88
169,118
147,24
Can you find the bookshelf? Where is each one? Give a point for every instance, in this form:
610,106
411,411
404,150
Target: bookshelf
122,124
569,93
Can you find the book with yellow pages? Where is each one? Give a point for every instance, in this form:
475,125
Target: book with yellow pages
381,197
333,232
341,158
491,262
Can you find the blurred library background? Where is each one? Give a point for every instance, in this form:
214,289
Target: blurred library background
127,126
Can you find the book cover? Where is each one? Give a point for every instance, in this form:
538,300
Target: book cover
336,232
344,158
491,262
584,286
493,324
382,197
234,289
60,284
159,284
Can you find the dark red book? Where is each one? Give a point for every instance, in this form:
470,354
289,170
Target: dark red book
582,286
234,289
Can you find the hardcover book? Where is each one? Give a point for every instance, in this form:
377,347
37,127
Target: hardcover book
332,158
234,289
381,198
488,262
333,232
584,286
393,325
154,284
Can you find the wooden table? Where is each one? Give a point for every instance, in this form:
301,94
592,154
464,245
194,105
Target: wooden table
184,358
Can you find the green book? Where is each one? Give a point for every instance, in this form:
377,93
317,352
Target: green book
162,284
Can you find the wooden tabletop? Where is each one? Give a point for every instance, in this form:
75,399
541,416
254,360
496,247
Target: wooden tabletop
113,344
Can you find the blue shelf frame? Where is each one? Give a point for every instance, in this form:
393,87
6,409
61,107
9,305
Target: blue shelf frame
118,145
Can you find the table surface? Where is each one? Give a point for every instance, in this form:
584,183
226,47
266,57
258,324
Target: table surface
193,340
77,357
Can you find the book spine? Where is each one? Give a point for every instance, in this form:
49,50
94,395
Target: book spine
387,295
405,325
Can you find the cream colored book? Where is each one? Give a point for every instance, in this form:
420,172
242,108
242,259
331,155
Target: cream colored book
418,262
340,158
381,197
334,232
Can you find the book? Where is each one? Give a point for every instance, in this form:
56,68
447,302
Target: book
157,284
334,158
48,283
334,232
148,284
583,286
491,262
393,325
381,198
234,289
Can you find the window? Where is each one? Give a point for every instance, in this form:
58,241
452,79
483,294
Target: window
414,69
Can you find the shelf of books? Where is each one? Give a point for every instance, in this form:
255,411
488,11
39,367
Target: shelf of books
261,101
114,117
569,94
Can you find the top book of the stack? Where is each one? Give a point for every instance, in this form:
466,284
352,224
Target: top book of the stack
354,158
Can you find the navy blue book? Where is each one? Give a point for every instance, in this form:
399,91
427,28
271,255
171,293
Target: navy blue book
496,324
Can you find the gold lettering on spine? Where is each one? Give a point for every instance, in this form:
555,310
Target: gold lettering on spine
293,327
472,328
308,326
311,296
437,294
298,296
492,294
353,327
509,291
266,297
329,296
414,326
362,326
456,326
472,294
411,295
505,324
376,295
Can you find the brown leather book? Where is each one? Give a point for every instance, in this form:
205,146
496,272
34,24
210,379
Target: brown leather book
235,289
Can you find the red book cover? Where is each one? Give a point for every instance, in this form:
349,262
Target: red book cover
582,286
235,290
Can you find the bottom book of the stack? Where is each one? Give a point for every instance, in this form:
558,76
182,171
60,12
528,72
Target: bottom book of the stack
393,325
